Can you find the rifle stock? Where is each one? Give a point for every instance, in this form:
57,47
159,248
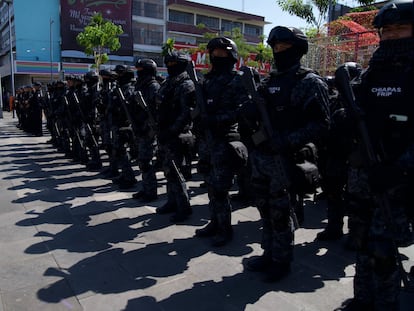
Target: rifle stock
87,126
75,129
181,179
121,96
152,122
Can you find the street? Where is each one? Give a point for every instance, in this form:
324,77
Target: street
71,240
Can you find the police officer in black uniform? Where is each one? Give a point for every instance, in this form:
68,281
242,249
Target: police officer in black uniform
333,161
295,99
121,127
90,99
145,115
385,97
175,100
224,94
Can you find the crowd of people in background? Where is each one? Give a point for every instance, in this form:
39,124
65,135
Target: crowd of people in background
278,137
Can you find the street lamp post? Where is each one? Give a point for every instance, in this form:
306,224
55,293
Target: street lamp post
9,2
51,50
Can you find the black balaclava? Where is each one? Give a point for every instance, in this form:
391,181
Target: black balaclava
222,64
176,69
287,59
400,50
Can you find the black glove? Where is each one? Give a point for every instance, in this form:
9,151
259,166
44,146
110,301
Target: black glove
383,177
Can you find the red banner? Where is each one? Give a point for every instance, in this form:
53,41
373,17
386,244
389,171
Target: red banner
200,59
76,14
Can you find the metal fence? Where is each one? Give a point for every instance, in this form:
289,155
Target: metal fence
327,53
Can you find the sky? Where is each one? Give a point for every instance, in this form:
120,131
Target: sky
266,8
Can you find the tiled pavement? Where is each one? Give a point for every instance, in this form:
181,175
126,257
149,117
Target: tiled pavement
70,240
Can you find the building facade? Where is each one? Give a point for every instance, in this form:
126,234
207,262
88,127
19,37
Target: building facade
43,33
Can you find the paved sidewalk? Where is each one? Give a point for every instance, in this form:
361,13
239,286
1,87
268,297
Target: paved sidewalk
70,240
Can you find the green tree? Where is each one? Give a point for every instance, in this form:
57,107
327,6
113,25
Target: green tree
100,37
305,10
167,47
263,53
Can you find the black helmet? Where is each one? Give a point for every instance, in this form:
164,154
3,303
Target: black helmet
176,57
354,69
330,81
107,75
120,69
74,78
125,76
91,76
149,67
290,35
395,12
223,43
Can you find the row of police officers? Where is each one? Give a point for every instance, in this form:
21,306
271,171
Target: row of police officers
231,119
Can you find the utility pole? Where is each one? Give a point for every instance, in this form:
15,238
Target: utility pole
51,21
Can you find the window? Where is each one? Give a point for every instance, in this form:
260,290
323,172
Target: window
227,25
184,39
147,33
209,22
148,8
252,30
181,17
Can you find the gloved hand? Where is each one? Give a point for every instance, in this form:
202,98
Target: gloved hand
308,153
383,177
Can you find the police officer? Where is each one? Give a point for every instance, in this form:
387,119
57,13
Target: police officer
74,118
224,94
295,99
145,115
36,106
121,127
333,161
175,100
90,99
385,96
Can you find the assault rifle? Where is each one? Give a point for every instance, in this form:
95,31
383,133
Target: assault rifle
181,179
86,124
124,104
342,79
266,132
72,120
152,122
200,109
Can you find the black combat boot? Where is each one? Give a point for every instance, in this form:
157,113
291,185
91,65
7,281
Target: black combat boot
181,214
208,231
260,263
277,271
356,305
127,183
167,208
330,234
144,197
222,237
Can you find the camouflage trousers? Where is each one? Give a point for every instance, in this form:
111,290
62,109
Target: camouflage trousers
146,152
176,194
274,204
377,279
219,180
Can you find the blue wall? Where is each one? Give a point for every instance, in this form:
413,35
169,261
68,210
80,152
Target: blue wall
32,28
